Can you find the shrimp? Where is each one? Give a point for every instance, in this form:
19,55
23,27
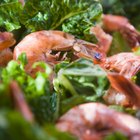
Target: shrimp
127,64
96,119
104,39
113,23
5,56
125,86
113,96
6,40
47,45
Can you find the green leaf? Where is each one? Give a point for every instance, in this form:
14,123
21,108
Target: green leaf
60,135
83,79
80,24
118,45
37,91
23,59
116,136
45,107
75,16
43,65
9,14
123,109
13,126
136,51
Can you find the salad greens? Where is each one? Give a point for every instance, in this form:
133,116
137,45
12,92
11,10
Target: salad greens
116,136
9,14
39,96
118,44
14,127
53,91
75,16
81,85
79,81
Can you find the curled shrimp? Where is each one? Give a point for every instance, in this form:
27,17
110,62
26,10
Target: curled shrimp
104,39
5,56
126,64
119,23
6,40
95,119
47,46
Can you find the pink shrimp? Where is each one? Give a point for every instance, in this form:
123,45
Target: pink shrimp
125,86
6,40
121,24
127,64
95,119
39,46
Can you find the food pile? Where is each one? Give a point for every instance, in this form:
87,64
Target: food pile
69,70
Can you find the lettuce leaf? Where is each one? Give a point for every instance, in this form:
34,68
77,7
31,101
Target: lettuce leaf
119,44
36,90
116,136
9,14
75,16
80,81
14,127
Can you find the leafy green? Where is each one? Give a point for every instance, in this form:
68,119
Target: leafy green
136,50
81,81
51,130
118,44
75,16
9,14
7,1
123,109
116,136
79,25
14,127
41,99
5,98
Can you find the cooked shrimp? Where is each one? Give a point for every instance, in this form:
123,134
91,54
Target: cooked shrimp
113,96
39,46
104,39
95,119
127,64
6,40
5,56
121,24
125,86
